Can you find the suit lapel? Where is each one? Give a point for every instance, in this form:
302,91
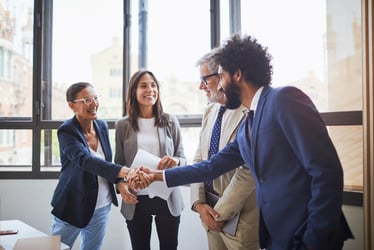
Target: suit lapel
102,139
206,130
257,120
230,123
245,144
162,136
131,145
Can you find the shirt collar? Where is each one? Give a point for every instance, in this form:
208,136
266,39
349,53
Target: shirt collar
256,98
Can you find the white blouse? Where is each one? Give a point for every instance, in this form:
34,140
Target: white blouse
103,195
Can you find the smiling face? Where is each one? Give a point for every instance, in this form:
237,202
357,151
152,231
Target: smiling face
146,91
209,86
229,88
85,112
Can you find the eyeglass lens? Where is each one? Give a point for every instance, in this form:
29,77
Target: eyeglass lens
205,78
89,100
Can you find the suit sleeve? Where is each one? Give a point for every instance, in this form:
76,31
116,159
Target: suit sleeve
119,157
227,159
74,149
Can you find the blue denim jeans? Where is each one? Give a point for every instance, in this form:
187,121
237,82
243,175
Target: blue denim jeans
92,235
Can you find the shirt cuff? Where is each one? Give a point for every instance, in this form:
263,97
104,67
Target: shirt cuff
164,178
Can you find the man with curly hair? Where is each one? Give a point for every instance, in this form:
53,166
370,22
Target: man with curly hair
299,177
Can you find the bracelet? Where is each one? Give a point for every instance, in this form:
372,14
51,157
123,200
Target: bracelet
125,180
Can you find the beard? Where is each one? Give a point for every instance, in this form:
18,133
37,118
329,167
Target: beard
232,93
216,97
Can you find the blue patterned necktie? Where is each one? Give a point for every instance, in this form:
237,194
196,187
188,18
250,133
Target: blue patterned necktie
214,142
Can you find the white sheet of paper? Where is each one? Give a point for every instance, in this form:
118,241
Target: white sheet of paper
158,188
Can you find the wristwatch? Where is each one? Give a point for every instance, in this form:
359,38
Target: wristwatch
177,160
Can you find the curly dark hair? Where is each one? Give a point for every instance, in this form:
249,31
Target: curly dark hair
246,54
133,110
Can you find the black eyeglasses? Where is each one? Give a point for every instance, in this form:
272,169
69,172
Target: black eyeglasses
205,78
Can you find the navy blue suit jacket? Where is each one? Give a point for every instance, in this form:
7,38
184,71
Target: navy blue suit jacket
299,178
74,198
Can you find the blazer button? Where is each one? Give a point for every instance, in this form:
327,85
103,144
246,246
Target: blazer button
261,180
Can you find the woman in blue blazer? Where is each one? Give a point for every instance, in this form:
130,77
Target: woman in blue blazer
299,177
84,193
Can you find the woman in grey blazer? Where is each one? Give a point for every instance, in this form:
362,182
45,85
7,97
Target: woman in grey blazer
147,127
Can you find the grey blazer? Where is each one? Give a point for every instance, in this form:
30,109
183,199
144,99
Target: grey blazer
170,140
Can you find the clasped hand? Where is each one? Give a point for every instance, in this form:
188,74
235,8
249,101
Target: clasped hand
141,178
209,217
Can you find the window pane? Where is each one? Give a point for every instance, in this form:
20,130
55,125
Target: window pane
16,45
190,138
176,39
317,46
348,143
87,46
50,151
224,19
15,149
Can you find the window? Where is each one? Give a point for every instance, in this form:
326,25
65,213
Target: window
15,149
16,43
317,47
87,47
169,44
320,46
16,65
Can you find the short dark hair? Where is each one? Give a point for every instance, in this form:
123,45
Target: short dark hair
246,54
75,88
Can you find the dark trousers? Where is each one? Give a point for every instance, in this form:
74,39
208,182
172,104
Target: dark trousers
140,227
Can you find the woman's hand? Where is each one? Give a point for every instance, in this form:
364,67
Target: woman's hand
167,162
127,193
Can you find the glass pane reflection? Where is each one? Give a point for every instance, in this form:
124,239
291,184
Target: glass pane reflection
15,149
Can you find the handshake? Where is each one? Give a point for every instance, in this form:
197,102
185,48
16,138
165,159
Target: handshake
141,177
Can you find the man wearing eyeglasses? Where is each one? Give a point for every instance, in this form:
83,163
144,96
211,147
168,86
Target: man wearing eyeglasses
235,190
299,176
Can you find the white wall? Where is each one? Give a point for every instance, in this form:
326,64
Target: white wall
29,201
